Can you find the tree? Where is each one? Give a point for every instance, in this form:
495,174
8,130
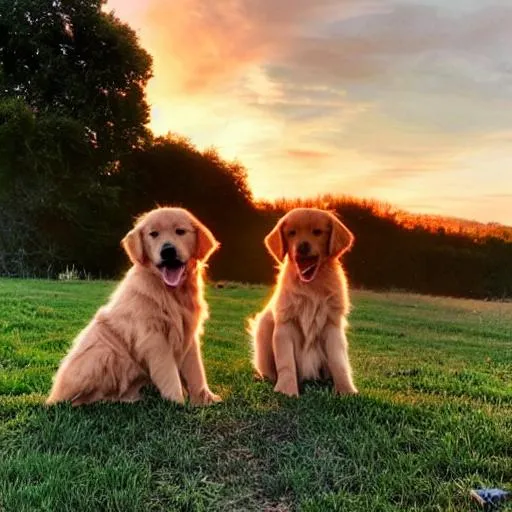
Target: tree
69,58
72,105
171,171
54,210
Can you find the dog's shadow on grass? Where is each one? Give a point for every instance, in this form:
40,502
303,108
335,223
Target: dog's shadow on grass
279,447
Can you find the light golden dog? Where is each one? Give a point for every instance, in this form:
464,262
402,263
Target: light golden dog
300,335
149,331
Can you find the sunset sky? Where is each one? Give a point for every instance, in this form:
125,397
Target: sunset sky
406,101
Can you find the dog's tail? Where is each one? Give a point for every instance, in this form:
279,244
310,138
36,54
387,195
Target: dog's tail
261,329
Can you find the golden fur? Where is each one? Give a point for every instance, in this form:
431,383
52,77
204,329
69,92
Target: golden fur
148,331
300,334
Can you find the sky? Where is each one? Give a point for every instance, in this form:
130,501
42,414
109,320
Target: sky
404,101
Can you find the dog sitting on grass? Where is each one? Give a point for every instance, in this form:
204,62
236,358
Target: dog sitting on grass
300,335
150,329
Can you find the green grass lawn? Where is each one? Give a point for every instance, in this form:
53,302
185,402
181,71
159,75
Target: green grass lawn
434,417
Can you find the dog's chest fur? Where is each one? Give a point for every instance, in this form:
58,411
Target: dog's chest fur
183,316
312,316
311,313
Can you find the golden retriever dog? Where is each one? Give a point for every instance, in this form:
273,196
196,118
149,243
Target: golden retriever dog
150,329
300,334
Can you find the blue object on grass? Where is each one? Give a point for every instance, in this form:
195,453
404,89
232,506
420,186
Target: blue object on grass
490,497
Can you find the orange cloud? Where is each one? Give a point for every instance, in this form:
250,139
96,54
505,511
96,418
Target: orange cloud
304,154
199,45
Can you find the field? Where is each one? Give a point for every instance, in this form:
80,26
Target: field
434,417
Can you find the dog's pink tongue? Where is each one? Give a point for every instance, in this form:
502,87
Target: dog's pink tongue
172,276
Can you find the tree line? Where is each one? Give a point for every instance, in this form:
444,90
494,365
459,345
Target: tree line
78,164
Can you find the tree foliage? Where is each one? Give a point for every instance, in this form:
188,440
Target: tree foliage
69,58
55,209
72,105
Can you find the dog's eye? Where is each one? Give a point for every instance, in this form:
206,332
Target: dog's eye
317,232
180,231
153,234
292,232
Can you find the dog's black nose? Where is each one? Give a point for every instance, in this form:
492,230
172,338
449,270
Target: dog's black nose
304,248
168,252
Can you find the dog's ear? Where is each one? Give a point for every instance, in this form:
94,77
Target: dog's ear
206,244
134,246
275,242
341,239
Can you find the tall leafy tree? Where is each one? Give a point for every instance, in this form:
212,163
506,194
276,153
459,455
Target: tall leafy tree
70,58
72,105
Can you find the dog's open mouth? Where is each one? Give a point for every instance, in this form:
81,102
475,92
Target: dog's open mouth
307,268
172,272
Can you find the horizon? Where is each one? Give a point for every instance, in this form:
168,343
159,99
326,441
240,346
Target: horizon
401,102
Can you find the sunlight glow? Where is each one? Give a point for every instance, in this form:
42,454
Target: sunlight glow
323,97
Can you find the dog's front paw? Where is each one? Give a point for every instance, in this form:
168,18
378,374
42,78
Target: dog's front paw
205,397
347,390
288,388
175,396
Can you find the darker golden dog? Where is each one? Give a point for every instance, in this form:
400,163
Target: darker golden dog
149,331
300,335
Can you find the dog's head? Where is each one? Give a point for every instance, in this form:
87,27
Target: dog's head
166,239
309,236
